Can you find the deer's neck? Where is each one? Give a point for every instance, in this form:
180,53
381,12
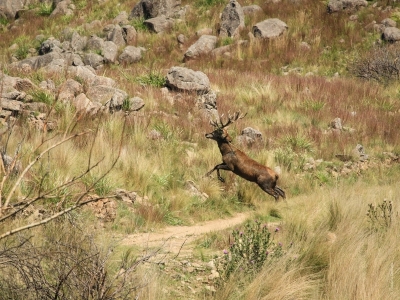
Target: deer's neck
225,147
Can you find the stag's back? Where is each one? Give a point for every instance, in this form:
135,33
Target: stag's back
248,168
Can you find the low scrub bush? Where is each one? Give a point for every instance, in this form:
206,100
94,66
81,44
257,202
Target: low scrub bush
381,64
250,249
380,215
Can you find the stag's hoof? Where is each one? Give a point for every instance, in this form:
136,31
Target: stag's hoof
221,179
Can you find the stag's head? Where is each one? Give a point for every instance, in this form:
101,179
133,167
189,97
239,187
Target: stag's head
220,133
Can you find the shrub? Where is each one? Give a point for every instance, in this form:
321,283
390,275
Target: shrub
139,25
208,3
152,79
381,64
249,251
380,216
45,9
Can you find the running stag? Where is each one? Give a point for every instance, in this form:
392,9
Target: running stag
239,163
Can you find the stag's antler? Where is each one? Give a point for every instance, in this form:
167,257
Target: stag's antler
231,119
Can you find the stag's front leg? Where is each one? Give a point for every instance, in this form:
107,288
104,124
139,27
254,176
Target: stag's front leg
222,166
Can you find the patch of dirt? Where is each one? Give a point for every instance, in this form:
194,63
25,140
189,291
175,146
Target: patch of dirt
176,239
172,250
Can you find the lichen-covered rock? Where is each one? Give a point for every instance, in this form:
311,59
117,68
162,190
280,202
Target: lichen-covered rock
232,20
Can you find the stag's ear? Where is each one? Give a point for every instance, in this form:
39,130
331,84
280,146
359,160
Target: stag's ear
226,136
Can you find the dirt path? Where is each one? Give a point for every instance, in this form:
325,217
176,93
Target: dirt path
176,239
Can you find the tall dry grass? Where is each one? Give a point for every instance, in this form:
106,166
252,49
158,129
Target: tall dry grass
335,252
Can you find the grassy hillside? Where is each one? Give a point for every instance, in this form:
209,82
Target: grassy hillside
337,229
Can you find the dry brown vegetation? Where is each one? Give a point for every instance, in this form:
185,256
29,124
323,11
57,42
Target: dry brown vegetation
337,251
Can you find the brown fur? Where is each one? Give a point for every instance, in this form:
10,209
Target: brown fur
239,163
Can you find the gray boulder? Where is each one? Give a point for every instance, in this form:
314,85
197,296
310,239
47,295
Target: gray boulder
129,33
106,95
35,62
94,60
252,10
391,34
270,28
159,24
50,45
250,137
78,43
339,5
148,9
121,19
94,43
136,103
184,79
204,45
63,8
232,20
86,73
115,35
69,90
56,66
9,8
109,52
130,55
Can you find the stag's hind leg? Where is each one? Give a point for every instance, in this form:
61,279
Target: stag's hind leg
280,192
269,190
222,166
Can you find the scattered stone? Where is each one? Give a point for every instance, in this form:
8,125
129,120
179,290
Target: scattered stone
130,55
115,35
391,34
270,28
339,5
250,137
184,79
94,60
69,90
252,10
336,124
159,24
126,196
148,9
109,51
203,46
204,31
232,20
136,103
155,135
104,209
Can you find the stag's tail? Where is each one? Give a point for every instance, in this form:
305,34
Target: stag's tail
280,192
